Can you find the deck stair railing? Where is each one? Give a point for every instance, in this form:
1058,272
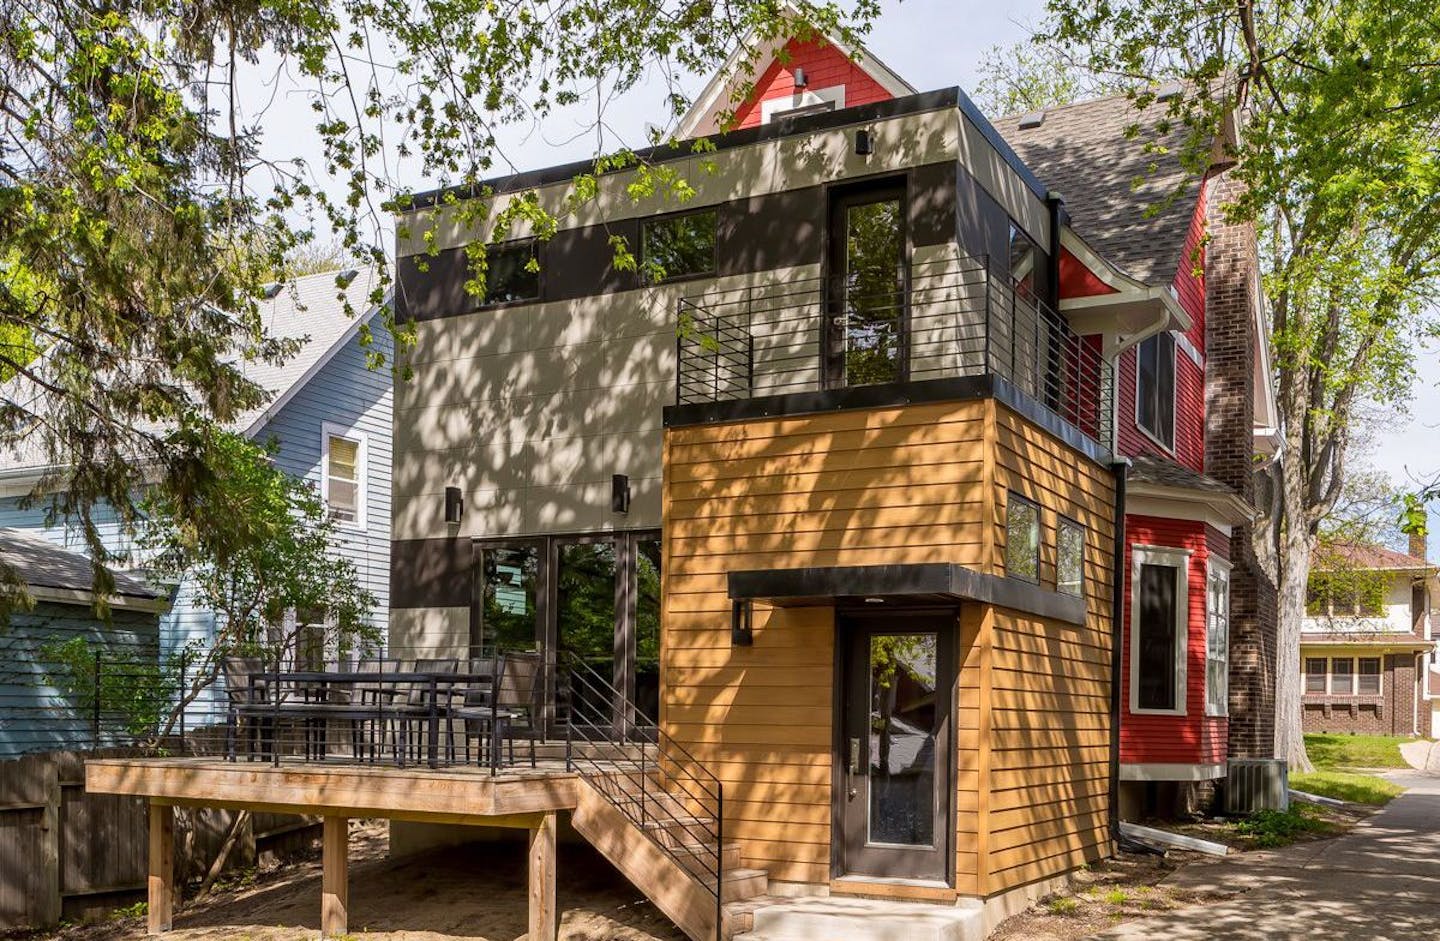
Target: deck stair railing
645,774
945,317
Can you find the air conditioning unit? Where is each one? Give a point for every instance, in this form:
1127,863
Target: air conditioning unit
1253,784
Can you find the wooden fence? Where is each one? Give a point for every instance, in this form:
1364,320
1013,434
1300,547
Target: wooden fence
65,853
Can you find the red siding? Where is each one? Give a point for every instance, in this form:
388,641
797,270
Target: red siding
825,67
1189,286
1193,738
1076,280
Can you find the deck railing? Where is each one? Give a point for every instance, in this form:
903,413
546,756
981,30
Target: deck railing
645,774
944,318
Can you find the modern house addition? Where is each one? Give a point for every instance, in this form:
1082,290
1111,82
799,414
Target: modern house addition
898,501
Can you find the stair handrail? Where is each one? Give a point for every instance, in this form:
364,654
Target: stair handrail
687,773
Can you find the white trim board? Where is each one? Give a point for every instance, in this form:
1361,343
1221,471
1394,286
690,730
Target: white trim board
1152,771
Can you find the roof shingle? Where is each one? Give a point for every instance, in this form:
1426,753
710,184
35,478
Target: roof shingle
42,564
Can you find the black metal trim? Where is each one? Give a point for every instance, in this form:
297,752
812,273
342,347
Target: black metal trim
1117,642
925,582
888,395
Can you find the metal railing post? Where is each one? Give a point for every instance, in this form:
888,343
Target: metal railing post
679,352
719,860
985,367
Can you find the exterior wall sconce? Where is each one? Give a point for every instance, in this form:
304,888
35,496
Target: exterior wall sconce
620,493
864,142
454,505
742,628
801,80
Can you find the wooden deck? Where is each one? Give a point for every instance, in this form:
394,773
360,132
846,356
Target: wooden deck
445,795
519,797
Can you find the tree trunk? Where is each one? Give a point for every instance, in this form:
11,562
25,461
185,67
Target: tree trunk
1296,544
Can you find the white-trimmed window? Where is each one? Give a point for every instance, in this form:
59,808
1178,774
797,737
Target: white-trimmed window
1342,676
1159,613
1368,676
343,473
1155,388
1217,638
1316,676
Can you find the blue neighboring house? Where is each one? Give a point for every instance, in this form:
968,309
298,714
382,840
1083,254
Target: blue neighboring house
329,415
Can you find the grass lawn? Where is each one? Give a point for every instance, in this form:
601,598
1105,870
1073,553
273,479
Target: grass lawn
1344,752
1346,786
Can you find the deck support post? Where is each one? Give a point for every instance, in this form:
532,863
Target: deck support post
334,878
160,884
544,917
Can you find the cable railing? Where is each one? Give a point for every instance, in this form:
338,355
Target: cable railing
943,318
645,774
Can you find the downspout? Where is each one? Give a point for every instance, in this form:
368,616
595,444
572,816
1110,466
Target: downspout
1117,641
1059,218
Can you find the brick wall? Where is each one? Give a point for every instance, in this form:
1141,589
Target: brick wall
1230,263
1391,713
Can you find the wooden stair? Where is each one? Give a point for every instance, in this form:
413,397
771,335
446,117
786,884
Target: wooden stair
664,860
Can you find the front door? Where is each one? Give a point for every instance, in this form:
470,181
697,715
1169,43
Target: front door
894,786
865,335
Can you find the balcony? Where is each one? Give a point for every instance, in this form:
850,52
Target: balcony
942,319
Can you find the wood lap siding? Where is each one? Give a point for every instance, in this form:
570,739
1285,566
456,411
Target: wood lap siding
846,488
1049,683
825,67
1193,738
923,483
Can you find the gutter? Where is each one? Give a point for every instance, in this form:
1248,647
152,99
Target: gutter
1117,641
1059,218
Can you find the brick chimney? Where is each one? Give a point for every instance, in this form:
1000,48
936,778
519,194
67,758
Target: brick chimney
1417,546
1231,260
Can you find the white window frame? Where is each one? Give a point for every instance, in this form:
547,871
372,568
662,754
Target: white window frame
1379,677
1305,676
1178,559
1354,676
1217,572
362,470
1174,396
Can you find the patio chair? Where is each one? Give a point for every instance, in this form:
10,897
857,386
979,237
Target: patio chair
508,710
242,695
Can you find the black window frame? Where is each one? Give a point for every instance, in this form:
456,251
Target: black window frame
1063,523
672,217
1012,500
1154,348
493,252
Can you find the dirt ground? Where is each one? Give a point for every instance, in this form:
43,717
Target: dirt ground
474,893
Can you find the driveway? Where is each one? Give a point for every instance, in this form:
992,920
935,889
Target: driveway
1379,882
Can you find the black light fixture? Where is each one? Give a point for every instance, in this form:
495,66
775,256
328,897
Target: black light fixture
864,143
801,80
620,493
454,505
742,627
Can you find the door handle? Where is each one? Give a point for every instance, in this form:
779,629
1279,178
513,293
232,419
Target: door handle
852,767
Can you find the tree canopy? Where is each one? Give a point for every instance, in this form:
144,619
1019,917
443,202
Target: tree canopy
143,207
1329,112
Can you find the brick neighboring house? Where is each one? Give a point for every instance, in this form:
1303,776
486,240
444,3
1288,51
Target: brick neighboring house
1368,663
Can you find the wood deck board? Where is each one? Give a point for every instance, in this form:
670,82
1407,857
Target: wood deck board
448,795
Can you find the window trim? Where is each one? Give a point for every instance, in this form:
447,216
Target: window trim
1217,569
1379,675
1331,674
1010,497
1062,522
1174,394
1178,559
1305,676
330,430
643,257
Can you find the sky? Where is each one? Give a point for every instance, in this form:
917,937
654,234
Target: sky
932,44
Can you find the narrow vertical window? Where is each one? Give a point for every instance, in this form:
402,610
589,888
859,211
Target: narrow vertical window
1155,388
1069,557
1342,677
1022,538
1217,640
1369,676
342,468
1158,631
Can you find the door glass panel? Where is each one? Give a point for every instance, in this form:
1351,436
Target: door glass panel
509,598
873,300
647,627
902,739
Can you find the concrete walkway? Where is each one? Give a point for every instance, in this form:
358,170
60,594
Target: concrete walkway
1379,882
1423,755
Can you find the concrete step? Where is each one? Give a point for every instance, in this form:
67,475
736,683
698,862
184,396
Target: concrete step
739,917
741,884
864,920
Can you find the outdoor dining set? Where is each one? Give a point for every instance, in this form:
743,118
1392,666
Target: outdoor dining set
406,711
